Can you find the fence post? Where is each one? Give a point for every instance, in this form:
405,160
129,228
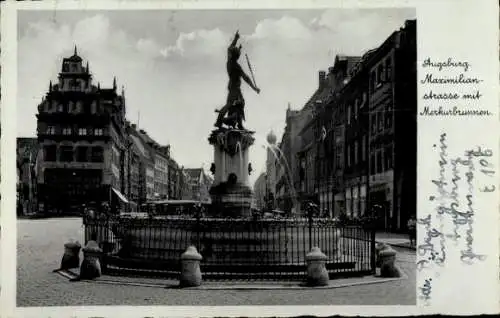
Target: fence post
198,225
372,251
310,216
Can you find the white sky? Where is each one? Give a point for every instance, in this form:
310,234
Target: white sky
172,64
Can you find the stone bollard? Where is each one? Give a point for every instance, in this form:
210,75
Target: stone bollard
71,257
388,267
379,248
190,268
91,266
317,275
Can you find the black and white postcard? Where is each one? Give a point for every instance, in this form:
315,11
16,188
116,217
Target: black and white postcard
249,158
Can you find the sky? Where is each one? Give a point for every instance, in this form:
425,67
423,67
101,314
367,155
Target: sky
172,64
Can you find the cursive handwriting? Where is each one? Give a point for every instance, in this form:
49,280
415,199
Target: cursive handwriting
426,289
455,187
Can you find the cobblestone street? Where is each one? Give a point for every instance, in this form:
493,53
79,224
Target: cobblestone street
40,247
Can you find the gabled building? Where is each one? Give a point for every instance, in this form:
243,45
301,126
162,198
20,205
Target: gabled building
82,140
199,184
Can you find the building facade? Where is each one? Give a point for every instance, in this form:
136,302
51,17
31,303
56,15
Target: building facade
199,184
393,128
81,135
360,136
259,191
270,175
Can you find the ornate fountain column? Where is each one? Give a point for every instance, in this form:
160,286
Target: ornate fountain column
231,192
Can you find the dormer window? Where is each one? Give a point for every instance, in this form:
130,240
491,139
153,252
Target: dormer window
51,130
82,131
66,131
98,131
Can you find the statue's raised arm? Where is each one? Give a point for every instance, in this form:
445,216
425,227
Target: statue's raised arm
235,39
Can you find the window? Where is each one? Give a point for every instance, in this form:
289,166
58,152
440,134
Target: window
372,164
50,153
388,158
363,149
60,108
82,131
374,122
380,163
348,156
97,154
355,152
388,116
81,153
66,131
78,107
356,109
51,130
66,154
71,107
363,102
349,114
380,75
388,69
65,67
381,122
373,81
93,107
98,131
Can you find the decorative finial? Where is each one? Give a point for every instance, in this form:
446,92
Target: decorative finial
123,91
76,52
50,86
87,67
98,85
114,82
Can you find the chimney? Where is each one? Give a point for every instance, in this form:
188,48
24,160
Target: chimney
322,76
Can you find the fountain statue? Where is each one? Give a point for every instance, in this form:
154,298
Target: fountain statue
231,192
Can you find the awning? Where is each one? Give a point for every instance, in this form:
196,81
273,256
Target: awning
120,195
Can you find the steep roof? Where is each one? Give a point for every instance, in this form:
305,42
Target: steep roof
140,146
194,174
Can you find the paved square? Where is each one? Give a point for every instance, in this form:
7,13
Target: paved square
40,248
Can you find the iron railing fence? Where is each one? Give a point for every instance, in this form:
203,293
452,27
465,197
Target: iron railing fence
231,248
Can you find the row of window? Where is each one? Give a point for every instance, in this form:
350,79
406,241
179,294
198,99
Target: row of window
381,120
68,131
71,154
381,160
359,104
72,107
381,75
357,152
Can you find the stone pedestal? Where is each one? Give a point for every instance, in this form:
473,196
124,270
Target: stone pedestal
71,257
231,192
317,275
91,266
190,268
388,267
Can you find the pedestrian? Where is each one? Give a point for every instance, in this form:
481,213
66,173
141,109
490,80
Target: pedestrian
412,229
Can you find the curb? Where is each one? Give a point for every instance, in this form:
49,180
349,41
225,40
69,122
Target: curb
298,285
